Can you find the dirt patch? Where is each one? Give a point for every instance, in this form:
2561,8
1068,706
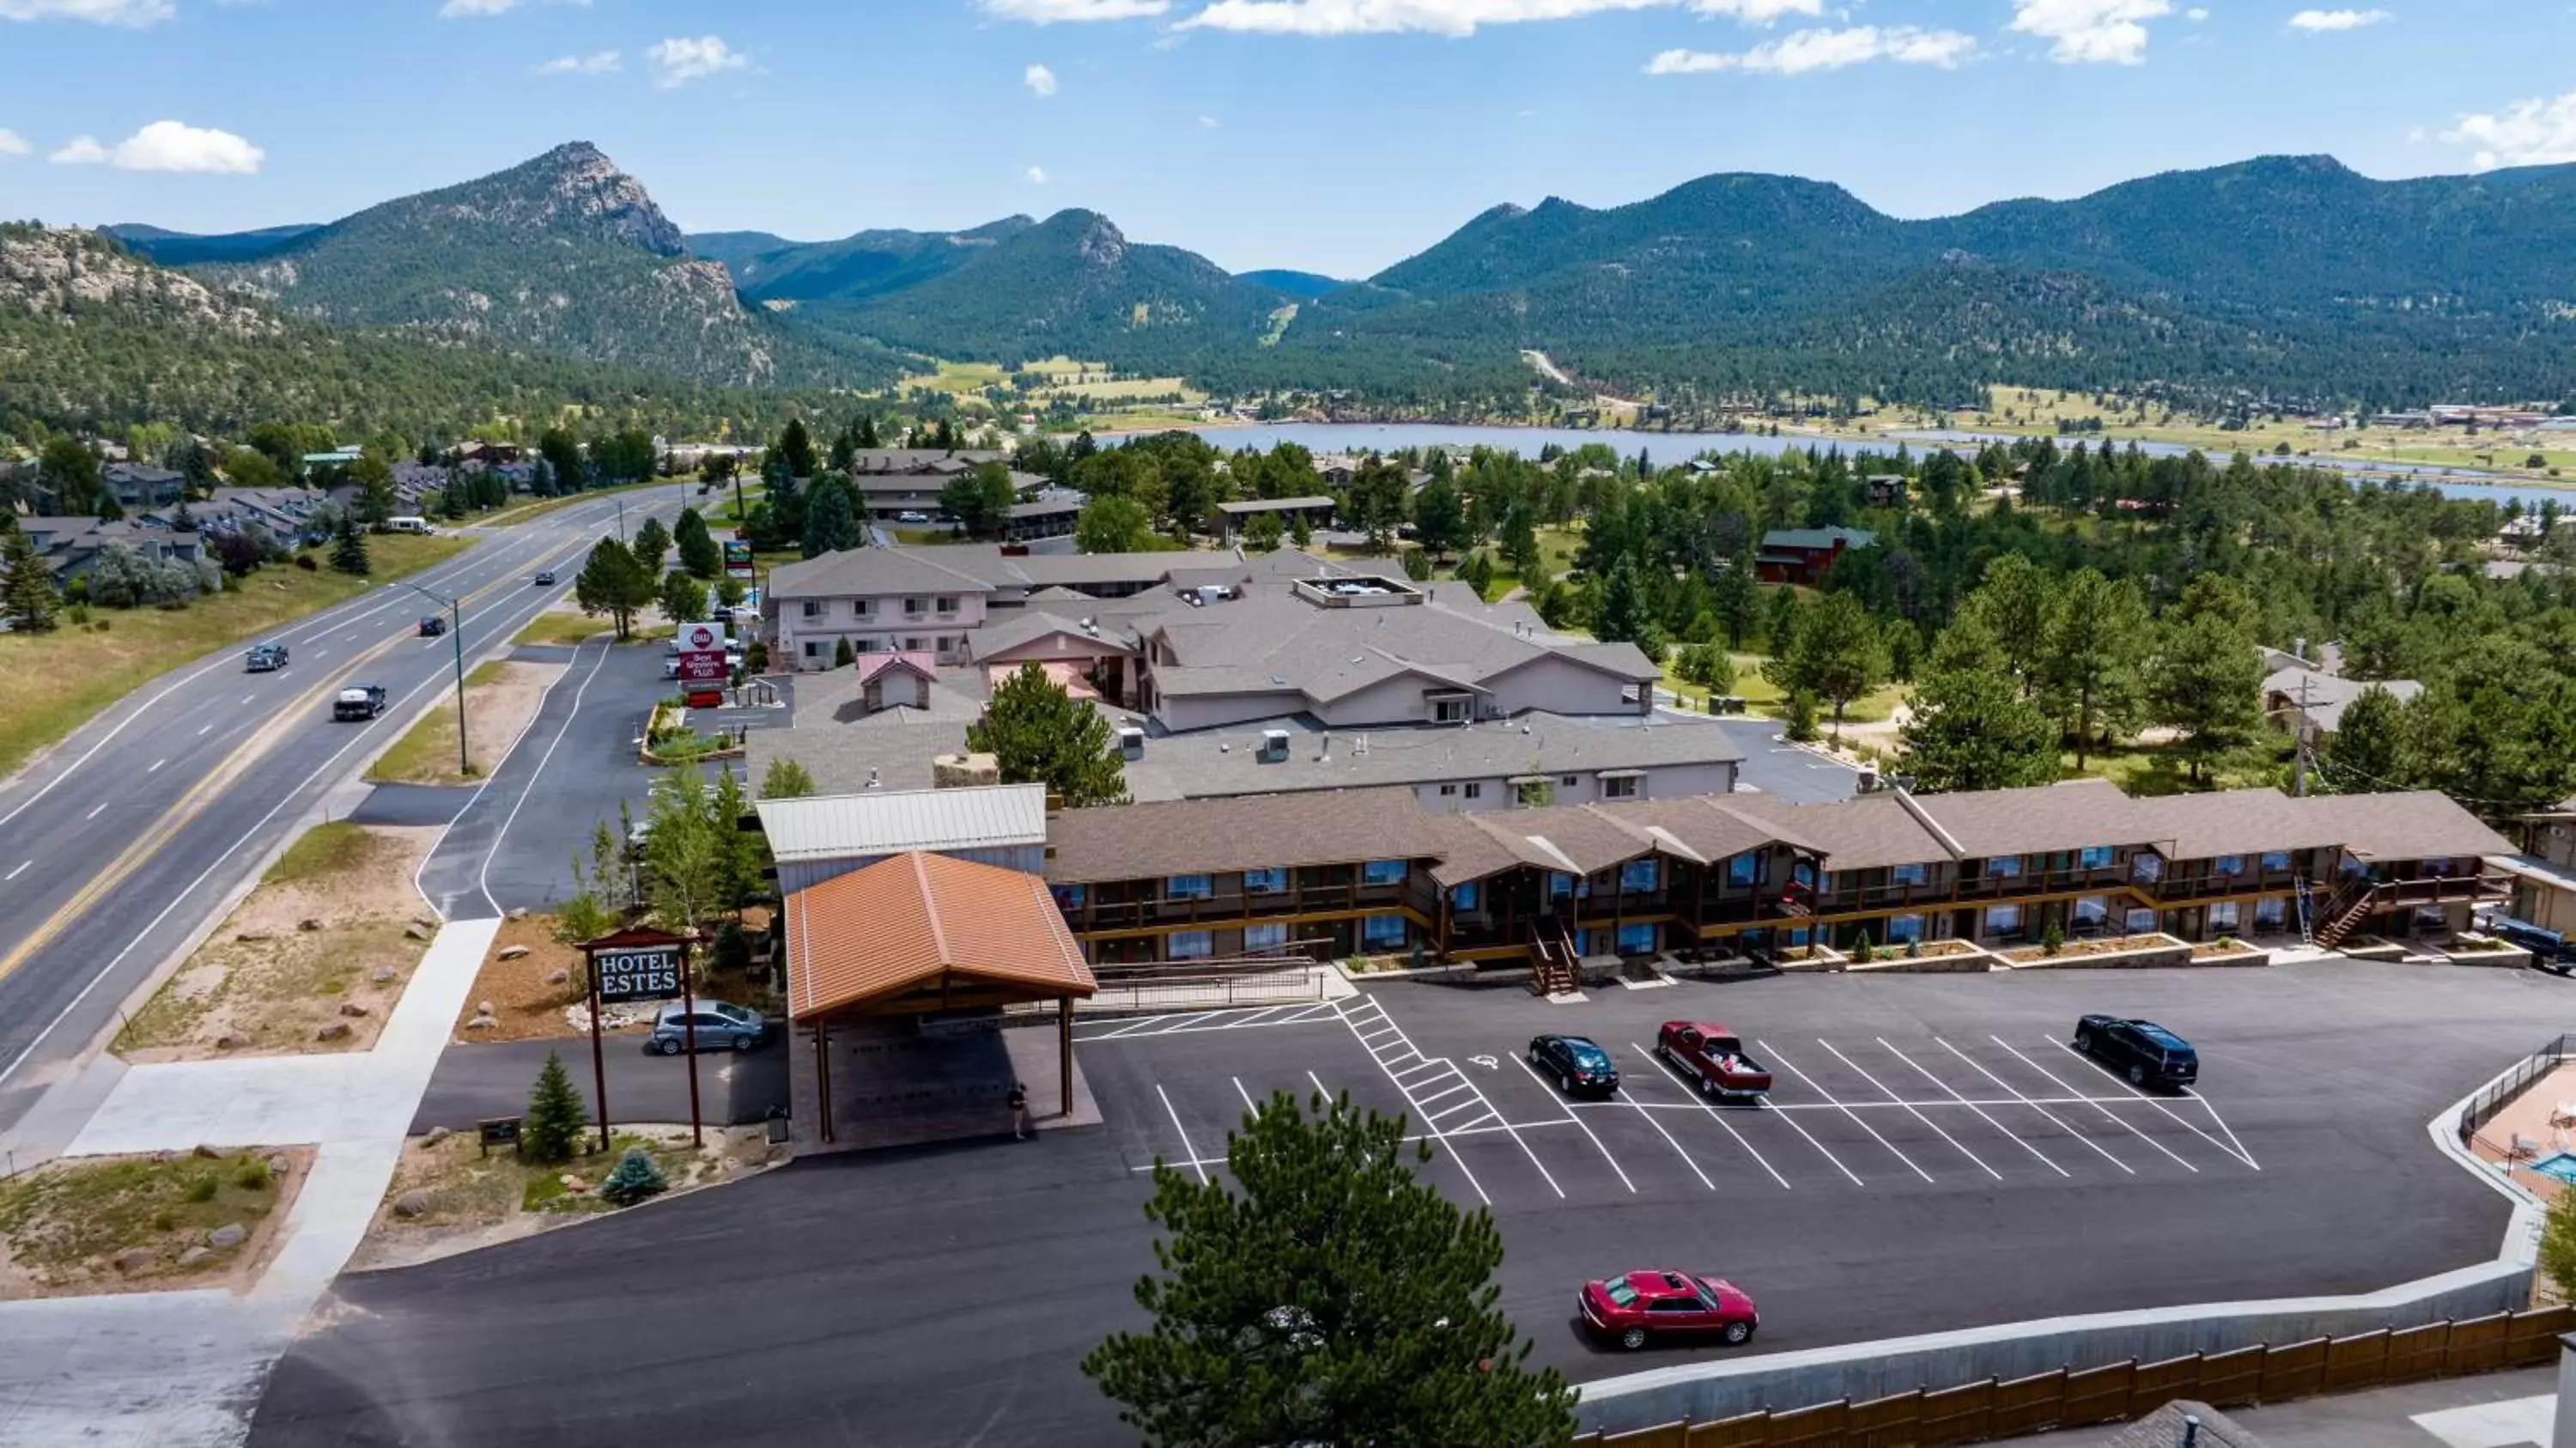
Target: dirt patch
90,1225
264,984
500,698
448,1196
531,980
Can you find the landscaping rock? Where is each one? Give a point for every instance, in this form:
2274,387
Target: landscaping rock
560,977
481,1023
230,1234
308,925
336,1031
193,1256
204,1152
252,937
436,1135
413,1203
384,975
280,1165
135,1259
352,1009
517,912
415,932
230,1042
484,1008
574,1184
514,952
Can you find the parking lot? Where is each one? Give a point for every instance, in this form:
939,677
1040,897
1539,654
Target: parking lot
1933,1152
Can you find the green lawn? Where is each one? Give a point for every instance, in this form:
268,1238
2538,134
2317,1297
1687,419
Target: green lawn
561,628
51,683
427,754
323,851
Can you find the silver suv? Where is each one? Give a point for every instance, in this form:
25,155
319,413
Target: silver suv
722,1026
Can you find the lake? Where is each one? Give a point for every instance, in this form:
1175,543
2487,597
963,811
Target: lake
1355,437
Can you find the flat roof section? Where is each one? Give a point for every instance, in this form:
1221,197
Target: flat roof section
890,822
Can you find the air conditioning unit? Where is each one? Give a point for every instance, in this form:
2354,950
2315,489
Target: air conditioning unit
1131,742
1274,746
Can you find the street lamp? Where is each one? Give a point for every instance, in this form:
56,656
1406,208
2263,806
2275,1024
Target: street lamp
456,638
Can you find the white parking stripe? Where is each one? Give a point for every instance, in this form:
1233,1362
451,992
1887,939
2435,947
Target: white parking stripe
1436,1095
1773,1052
1972,1106
1911,1109
1582,1126
2106,1111
1248,1103
1410,1049
1627,1098
2039,1106
1186,1149
1729,1127
1445,1148
2207,1106
2237,1152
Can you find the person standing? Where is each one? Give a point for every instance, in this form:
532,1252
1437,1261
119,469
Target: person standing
1019,1111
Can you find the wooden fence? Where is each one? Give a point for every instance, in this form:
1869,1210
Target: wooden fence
2073,1398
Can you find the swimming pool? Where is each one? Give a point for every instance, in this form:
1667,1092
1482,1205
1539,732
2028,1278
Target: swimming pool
2558,1166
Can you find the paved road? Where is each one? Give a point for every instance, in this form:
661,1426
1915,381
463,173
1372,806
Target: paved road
488,1079
120,840
812,1332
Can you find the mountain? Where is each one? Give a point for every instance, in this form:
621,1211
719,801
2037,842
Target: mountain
869,264
562,254
178,248
2280,276
730,247
1305,286
94,336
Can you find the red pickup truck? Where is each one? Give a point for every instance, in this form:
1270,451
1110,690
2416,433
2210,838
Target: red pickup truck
1711,1055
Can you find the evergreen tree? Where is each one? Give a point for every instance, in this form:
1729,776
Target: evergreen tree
843,655
349,547
2204,683
69,470
1262,533
1333,1299
1112,525
613,583
845,451
650,542
831,519
561,451
1300,532
684,599
1623,606
1440,517
1836,655
1735,601
26,586
868,434
375,479
2374,746
980,499
1801,717
1971,728
634,1179
2018,604
1041,736
699,552
796,449
738,851
2097,639
785,779
1780,618
551,1131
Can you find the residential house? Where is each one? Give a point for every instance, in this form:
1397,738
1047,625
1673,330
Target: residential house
138,487
1885,490
1803,555
70,546
1230,519
2302,698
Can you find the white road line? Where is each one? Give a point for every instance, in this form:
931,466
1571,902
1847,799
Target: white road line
14,874
1246,1095
1910,1108
97,810
1972,1106
483,876
1463,1085
156,766
1773,1052
1186,1149
1409,1140
2207,1105
2040,1106
2123,1122
1426,1064
1137,1024
249,698
204,730
1581,1126
1437,1135
1729,1127
2237,1152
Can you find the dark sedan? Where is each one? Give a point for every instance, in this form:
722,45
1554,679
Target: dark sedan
2146,1053
263,658
1575,1064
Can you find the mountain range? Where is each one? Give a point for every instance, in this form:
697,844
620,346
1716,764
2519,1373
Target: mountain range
2281,279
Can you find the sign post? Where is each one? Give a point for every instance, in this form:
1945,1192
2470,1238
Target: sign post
636,965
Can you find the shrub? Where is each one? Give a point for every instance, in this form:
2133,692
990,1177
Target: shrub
253,1176
556,1115
733,947
635,1179
1914,949
305,562
1862,951
843,656
1802,718
200,1189
2053,939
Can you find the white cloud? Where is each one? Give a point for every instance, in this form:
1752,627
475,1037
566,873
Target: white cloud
469,9
1039,80
13,144
2196,14
598,62
167,146
100,12
1810,50
1209,123
682,59
2316,22
1037,176
2526,133
2091,32
1454,17
1052,12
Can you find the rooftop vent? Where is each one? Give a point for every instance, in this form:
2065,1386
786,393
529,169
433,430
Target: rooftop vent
1274,746
1131,742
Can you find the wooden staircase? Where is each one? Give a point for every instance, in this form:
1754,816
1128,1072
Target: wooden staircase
2344,913
1554,968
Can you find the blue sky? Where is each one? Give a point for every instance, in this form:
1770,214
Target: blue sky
1332,135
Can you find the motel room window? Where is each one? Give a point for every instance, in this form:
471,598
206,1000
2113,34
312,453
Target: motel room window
916,644
2147,868
1448,791
1382,932
1189,887
863,607
1449,711
2231,864
2222,915
2269,912
1382,872
1902,928
2003,919
2007,867
1068,897
2093,910
1636,940
1914,874
1640,875
1570,781
813,648
1744,869
2436,869
1192,944
1272,936
2094,857
1559,884
2141,921
1462,896
1272,881
2275,861
1620,786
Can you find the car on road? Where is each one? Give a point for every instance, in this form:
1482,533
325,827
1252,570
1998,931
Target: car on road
1636,1308
2146,1053
432,626
721,1026
1711,1055
1577,1065
545,578
359,701
264,658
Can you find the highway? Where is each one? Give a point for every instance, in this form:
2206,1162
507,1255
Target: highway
120,842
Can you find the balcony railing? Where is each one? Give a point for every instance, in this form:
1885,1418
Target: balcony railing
1228,907
2173,891
2042,882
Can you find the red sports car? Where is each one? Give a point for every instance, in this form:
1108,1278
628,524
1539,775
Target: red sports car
1634,1309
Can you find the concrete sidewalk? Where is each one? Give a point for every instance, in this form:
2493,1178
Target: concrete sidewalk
158,1368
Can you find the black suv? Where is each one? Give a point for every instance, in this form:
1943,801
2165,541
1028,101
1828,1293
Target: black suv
2146,1053
263,658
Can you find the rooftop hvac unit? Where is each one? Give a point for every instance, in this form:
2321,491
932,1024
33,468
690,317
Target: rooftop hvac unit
1274,746
1131,742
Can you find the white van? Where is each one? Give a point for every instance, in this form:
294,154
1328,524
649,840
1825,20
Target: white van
406,525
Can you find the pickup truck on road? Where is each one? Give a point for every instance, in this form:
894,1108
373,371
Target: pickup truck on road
1711,1055
359,701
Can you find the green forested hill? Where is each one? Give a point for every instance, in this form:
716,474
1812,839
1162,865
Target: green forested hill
856,267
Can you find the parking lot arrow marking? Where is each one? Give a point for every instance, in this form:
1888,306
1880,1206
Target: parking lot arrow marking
2106,1111
1773,1052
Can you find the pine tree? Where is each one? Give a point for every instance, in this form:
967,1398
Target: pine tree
1971,728
1040,735
635,1178
738,851
651,541
1333,1299
26,586
699,552
349,547
1262,534
551,1131
868,434
1836,655
831,519
843,655
2089,672
683,599
613,583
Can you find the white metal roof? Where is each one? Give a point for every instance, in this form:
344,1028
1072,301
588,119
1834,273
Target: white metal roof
889,822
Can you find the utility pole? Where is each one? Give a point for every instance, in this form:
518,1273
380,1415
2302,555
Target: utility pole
2302,734
456,642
